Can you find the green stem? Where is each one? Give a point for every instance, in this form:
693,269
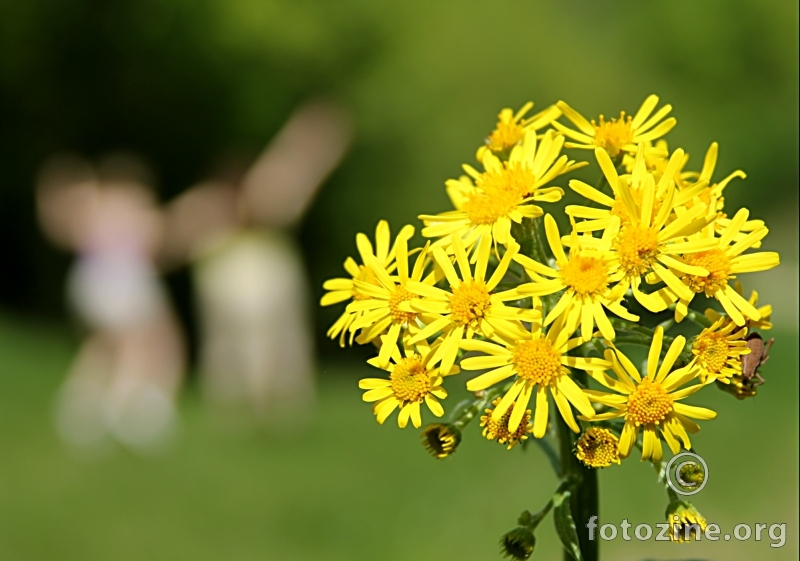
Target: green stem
551,453
584,501
698,318
462,418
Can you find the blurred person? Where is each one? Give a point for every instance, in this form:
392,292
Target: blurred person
125,377
256,346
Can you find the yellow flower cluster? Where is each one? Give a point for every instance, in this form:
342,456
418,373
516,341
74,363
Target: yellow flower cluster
487,294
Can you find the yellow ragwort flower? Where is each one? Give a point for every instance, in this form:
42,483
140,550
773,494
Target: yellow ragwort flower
412,381
344,289
617,135
499,429
719,350
471,305
539,362
381,307
711,195
650,403
723,260
487,203
597,448
511,128
585,276
650,237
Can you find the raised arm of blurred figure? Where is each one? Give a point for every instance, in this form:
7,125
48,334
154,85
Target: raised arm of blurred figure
66,196
282,181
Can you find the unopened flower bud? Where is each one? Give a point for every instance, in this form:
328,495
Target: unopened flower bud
518,544
441,440
686,523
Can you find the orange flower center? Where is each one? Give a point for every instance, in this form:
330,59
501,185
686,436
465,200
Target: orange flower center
649,403
537,361
469,302
637,249
398,296
499,429
711,350
597,447
411,382
587,276
718,266
507,134
613,135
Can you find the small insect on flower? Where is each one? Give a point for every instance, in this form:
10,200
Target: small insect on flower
759,354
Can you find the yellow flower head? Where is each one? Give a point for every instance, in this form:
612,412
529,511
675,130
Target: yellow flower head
719,350
512,127
650,403
712,194
382,307
539,363
650,237
344,289
597,448
412,381
722,259
585,277
686,523
499,429
488,202
617,135
630,190
471,305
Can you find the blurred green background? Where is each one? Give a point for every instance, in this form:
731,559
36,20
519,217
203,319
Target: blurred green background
187,84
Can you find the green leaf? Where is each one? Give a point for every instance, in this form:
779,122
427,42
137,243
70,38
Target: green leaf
565,525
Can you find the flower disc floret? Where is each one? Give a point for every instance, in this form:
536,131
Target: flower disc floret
719,268
513,177
506,134
712,351
613,135
637,250
499,429
649,403
587,276
537,361
410,380
597,448
398,296
486,207
469,302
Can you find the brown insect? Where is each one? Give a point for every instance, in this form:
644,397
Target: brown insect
759,354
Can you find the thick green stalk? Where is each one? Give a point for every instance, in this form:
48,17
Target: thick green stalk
584,502
584,499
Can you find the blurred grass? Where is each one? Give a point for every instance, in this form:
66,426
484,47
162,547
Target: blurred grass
347,488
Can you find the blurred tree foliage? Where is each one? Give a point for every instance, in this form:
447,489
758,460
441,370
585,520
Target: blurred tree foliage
186,82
